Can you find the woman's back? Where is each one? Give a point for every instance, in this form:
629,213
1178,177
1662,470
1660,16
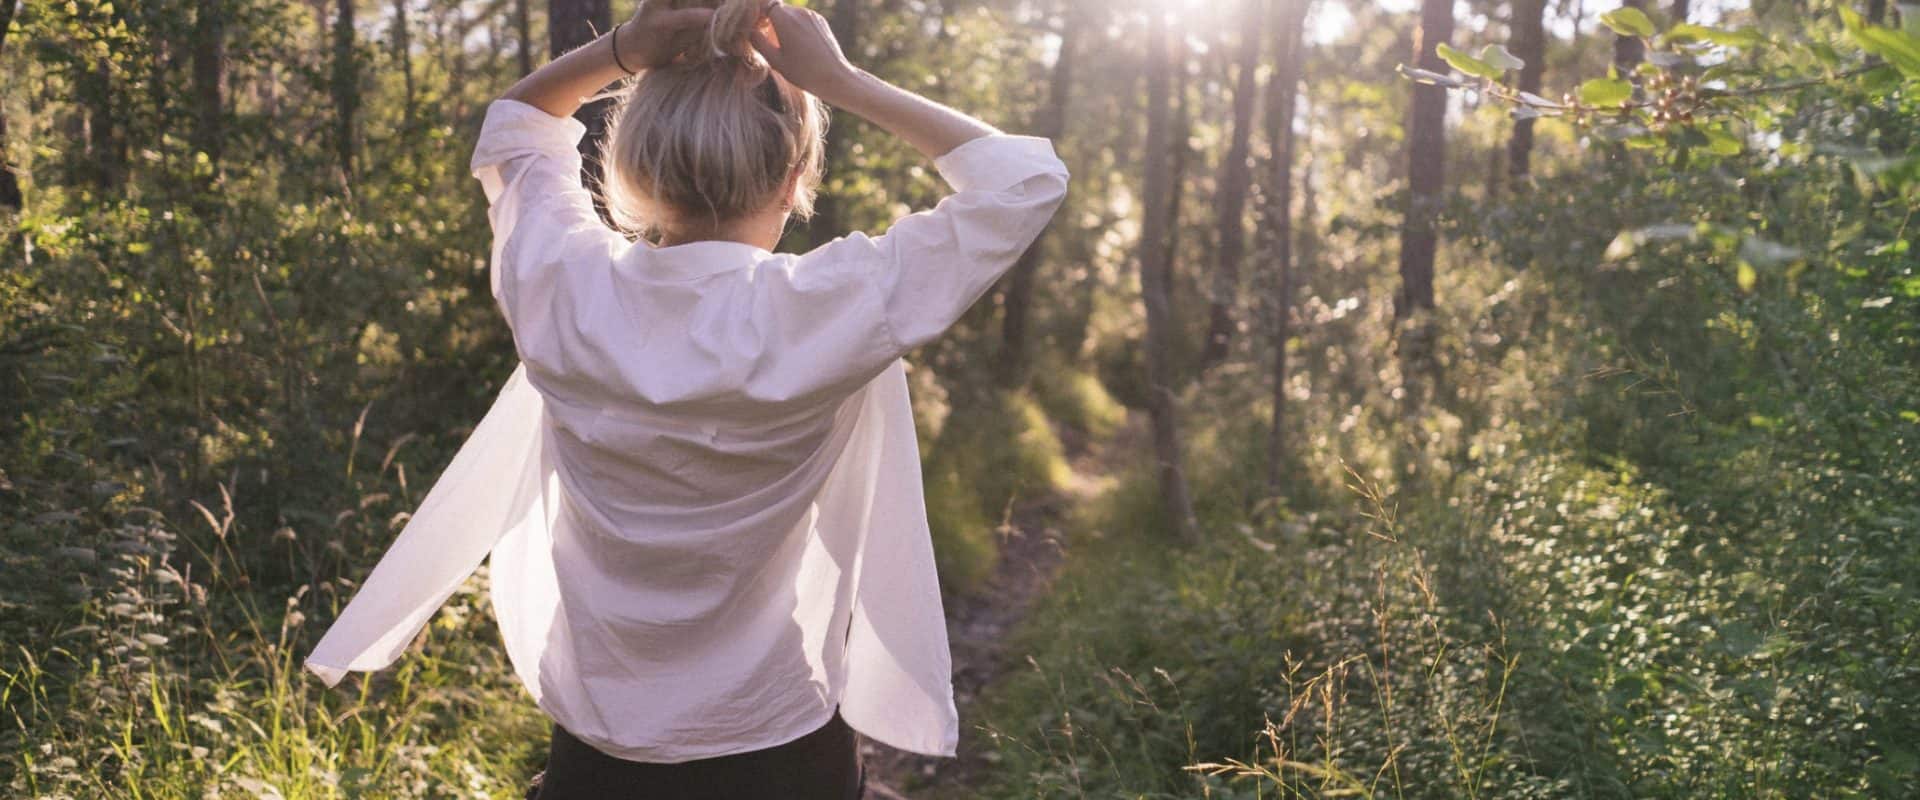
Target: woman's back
715,536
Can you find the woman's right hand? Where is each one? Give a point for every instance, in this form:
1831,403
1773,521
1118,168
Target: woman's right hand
798,43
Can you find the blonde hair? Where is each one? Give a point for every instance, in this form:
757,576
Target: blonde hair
712,137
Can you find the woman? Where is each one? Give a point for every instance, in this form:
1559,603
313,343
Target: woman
701,492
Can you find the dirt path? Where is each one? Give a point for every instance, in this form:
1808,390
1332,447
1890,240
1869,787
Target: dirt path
1032,548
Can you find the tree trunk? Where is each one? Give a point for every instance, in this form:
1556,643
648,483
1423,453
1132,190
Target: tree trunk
403,52
828,214
1236,177
1530,44
10,196
209,77
346,86
1426,164
1050,123
1156,280
570,24
1181,140
1277,214
1629,51
523,25
1683,8
1877,11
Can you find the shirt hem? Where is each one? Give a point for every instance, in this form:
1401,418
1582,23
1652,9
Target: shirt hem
671,755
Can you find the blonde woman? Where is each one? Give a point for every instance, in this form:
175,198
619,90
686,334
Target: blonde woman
701,492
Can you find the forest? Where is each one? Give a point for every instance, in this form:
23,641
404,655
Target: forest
1413,399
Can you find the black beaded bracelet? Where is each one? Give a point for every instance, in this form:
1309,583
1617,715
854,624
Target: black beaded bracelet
615,39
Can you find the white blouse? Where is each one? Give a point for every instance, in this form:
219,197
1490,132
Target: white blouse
701,490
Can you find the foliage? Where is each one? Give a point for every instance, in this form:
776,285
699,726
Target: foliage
1641,527
1649,538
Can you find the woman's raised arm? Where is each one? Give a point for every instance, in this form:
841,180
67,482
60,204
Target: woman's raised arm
802,48
646,41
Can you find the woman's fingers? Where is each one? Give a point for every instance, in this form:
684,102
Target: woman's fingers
769,48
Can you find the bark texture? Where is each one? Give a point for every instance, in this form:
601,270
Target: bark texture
1236,179
1530,44
1426,164
1051,123
10,196
1156,279
345,87
1277,214
209,77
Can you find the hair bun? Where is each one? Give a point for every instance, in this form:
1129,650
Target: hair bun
729,35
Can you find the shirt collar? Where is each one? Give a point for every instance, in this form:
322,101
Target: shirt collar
694,259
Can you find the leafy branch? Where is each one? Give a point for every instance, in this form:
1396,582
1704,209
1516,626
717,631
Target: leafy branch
1672,94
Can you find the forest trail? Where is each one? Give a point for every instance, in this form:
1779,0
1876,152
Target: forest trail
1033,546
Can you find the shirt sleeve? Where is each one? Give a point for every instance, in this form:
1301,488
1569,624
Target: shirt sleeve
930,267
543,218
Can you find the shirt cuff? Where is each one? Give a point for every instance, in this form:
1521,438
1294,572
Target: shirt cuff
998,161
513,129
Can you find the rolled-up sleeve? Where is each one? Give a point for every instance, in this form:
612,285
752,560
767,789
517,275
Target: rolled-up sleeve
929,267
528,163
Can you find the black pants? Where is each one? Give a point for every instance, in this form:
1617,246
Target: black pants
822,765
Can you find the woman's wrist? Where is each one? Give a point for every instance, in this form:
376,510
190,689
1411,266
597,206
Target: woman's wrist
857,91
625,49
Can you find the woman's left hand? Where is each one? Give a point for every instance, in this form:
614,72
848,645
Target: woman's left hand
653,37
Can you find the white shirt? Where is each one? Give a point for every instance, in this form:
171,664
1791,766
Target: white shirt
701,490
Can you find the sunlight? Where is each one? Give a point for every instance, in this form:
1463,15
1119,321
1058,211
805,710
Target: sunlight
1329,22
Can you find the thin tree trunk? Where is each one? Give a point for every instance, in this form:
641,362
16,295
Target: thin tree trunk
1426,164
1277,213
403,52
10,196
103,121
1530,44
1181,142
1051,123
1629,51
1877,11
570,24
1682,9
523,25
828,214
1236,177
209,77
1156,282
346,86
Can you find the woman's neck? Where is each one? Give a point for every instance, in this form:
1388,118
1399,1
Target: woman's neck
760,230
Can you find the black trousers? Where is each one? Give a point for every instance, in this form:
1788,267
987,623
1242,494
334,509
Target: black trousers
822,765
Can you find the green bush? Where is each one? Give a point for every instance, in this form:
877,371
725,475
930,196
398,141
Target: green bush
1076,399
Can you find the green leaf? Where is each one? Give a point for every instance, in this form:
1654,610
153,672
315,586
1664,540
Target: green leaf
1722,143
1899,48
1605,92
1468,64
1744,38
1497,55
1628,22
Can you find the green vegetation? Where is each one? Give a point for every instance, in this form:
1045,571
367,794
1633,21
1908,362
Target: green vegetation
1652,537
1627,508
